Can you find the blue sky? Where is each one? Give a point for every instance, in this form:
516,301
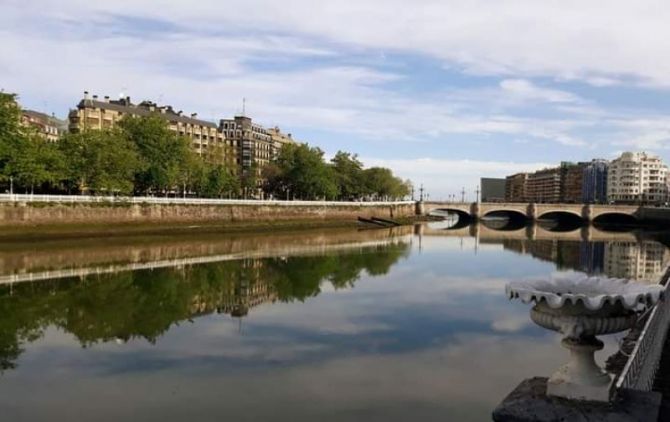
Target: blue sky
443,92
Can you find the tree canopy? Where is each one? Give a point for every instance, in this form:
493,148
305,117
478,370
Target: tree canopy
143,156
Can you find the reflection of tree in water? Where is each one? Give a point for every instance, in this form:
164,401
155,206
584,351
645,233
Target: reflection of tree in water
146,303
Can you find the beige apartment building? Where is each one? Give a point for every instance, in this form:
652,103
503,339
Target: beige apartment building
95,113
49,127
637,177
279,139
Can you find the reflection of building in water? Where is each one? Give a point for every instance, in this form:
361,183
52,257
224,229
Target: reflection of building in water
249,289
644,261
638,261
567,255
592,257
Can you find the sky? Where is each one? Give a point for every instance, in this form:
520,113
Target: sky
443,92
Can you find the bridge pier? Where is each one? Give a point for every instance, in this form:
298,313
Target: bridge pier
587,213
475,211
419,208
531,212
531,230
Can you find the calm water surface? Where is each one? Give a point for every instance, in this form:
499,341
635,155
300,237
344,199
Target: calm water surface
383,325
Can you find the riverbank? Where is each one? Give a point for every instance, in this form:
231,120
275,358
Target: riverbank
37,220
40,233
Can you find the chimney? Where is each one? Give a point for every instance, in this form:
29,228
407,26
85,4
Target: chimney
86,95
180,112
194,115
95,97
106,98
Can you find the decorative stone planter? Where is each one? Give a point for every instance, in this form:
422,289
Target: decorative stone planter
582,309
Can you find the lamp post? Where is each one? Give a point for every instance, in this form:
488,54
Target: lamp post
11,185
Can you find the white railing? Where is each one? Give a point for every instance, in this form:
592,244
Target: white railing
642,365
88,199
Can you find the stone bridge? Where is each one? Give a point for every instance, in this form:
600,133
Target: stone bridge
531,211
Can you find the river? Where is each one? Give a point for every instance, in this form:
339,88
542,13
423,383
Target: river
409,323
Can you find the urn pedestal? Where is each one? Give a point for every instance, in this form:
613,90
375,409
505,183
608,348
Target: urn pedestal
582,309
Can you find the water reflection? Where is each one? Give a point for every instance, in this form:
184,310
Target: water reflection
314,325
146,304
588,249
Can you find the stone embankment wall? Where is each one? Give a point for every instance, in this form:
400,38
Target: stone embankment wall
32,214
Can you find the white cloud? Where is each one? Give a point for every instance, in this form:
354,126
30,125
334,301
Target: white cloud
570,40
526,90
443,177
317,67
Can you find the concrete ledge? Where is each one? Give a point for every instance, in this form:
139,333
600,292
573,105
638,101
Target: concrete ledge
529,403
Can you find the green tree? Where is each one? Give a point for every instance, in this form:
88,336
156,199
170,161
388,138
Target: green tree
103,161
349,175
38,162
219,182
12,134
163,152
302,172
382,184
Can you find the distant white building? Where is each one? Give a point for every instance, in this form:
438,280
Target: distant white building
637,177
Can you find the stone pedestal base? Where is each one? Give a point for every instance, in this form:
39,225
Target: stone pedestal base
581,378
529,403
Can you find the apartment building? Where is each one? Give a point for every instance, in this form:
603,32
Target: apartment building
49,127
594,185
251,142
637,177
515,187
279,139
544,185
255,145
99,113
572,182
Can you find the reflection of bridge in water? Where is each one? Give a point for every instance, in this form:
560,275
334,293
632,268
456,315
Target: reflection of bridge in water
531,232
629,255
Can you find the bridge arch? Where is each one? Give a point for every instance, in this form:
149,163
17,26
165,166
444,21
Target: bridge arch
504,212
616,218
559,214
464,218
504,219
560,220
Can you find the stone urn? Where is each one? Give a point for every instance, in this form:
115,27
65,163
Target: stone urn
581,309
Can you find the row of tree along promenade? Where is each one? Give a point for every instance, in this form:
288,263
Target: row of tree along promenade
141,156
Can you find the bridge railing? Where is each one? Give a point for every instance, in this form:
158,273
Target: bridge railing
158,200
640,369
